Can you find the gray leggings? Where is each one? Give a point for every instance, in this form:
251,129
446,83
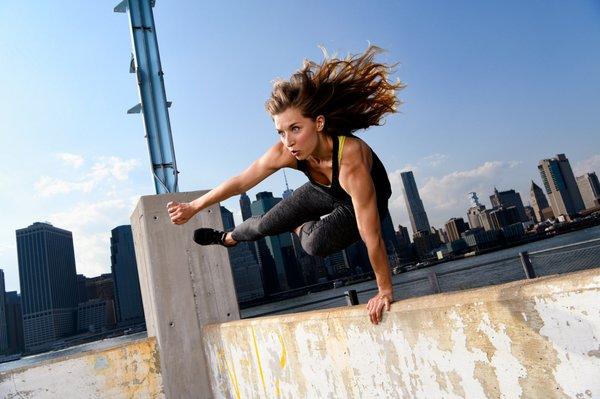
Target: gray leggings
320,237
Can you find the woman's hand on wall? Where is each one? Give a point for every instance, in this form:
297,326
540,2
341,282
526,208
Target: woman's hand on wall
377,304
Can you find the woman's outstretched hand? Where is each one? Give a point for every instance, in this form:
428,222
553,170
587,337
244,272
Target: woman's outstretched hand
180,212
377,304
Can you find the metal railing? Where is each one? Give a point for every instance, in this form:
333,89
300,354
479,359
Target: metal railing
446,278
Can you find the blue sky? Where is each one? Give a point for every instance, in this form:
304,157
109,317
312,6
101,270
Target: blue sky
492,87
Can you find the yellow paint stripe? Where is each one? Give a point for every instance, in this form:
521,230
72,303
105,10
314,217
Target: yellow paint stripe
260,369
283,357
231,373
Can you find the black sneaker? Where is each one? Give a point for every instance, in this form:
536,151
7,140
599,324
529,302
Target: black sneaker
208,236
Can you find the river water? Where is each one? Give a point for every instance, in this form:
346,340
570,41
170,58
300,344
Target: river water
488,269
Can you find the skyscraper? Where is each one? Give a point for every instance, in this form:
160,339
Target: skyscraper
561,187
402,235
589,187
247,276
538,201
287,191
245,206
455,227
280,246
48,283
3,327
474,211
507,199
128,296
14,322
227,216
414,205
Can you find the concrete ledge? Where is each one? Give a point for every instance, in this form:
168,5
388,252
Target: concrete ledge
533,339
127,370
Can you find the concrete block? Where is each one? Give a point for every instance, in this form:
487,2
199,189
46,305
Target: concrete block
184,286
528,339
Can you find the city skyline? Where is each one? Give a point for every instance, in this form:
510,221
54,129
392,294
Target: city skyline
480,109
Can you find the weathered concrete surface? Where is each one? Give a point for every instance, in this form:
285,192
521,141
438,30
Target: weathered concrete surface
529,339
130,370
184,286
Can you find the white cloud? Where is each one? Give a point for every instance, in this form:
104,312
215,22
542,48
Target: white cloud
107,170
589,165
72,160
90,223
435,159
6,247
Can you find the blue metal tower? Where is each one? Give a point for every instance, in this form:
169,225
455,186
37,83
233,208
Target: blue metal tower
145,63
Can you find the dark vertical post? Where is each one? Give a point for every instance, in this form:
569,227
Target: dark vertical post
351,297
527,266
433,281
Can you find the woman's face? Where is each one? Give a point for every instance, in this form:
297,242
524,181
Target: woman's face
298,133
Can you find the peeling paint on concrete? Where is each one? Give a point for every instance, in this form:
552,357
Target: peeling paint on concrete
577,371
509,370
126,371
536,338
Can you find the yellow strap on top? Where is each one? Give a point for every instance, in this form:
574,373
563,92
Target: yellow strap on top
341,140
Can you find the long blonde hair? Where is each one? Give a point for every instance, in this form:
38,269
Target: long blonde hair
352,93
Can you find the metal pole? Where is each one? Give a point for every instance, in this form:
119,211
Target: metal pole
527,266
434,282
153,101
351,297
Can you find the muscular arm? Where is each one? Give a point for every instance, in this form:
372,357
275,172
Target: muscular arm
355,178
275,158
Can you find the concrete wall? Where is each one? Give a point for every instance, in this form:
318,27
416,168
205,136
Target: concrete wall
130,370
531,339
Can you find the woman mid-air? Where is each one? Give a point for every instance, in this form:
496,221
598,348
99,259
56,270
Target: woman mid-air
316,113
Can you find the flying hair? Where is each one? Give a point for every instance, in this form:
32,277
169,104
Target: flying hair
352,93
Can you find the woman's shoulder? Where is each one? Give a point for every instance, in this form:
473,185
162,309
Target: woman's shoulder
355,150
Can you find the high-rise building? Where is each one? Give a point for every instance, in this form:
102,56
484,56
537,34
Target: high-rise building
95,315
538,201
358,258
403,240
100,287
245,206
388,234
589,187
503,217
227,216
561,187
485,220
128,296
337,264
14,322
287,192
48,283
280,246
441,233
425,242
3,326
474,211
245,267
455,227
414,205
531,214
402,235
507,199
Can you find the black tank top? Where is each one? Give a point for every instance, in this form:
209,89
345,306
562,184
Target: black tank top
379,175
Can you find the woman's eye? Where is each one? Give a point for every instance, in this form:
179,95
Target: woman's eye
295,129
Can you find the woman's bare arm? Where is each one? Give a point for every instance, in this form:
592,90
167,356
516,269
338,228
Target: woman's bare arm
355,178
275,158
